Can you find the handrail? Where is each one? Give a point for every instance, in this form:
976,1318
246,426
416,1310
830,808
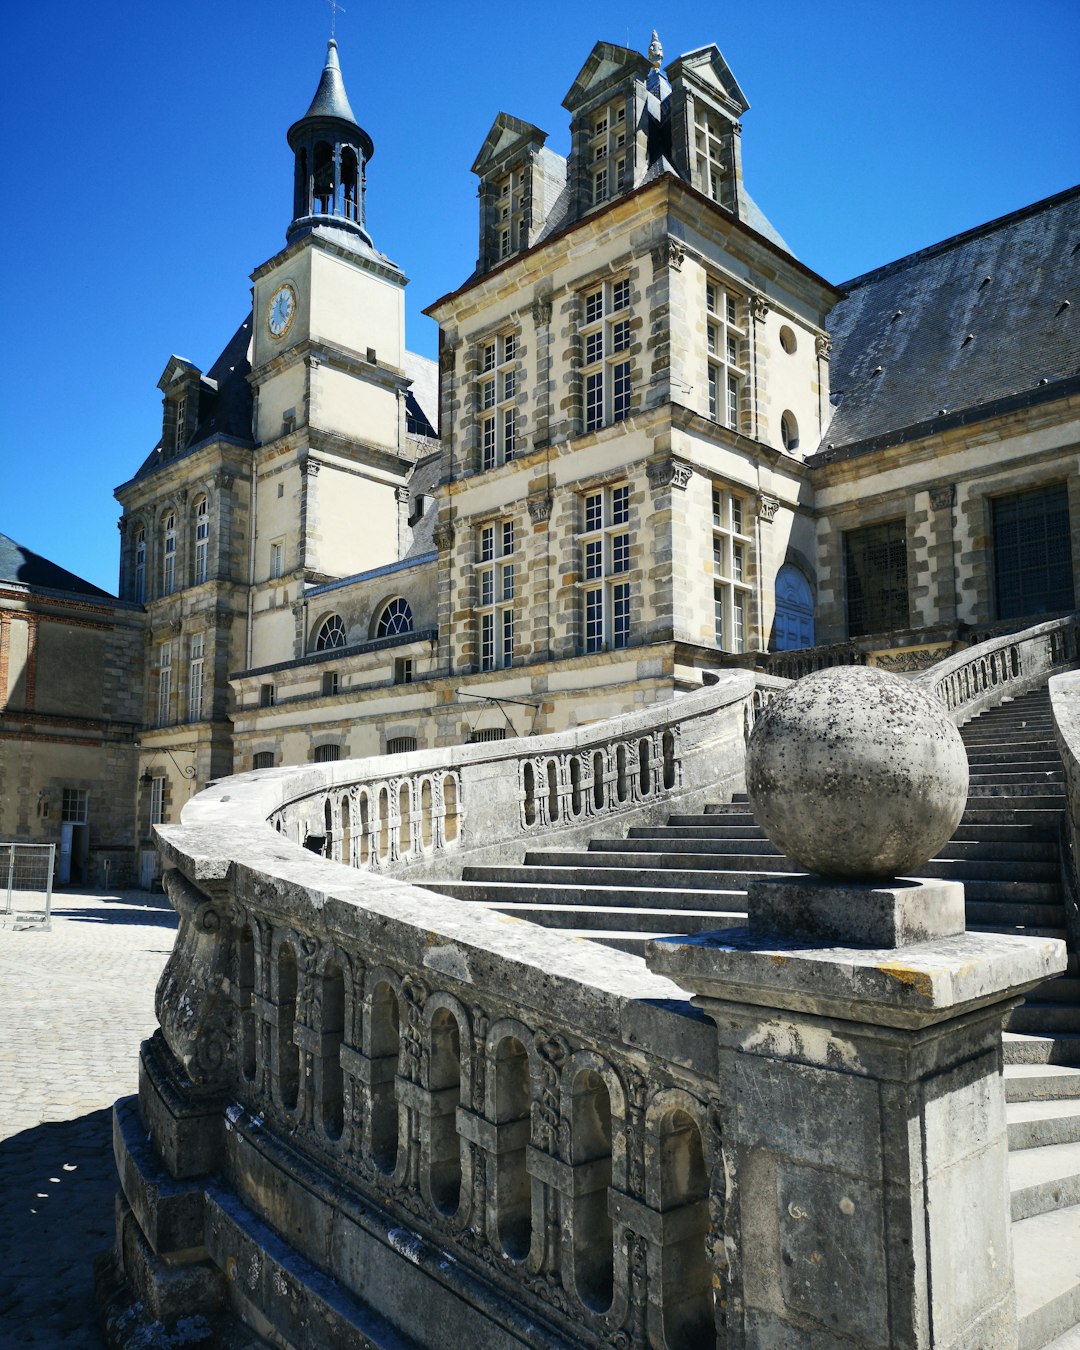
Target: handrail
1065,706
972,681
427,809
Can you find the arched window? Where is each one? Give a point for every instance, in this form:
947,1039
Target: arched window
789,431
202,540
395,618
168,571
139,587
331,634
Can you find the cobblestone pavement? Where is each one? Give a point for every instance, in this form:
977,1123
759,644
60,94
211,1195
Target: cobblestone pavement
74,1005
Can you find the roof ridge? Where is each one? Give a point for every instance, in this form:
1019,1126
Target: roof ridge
955,240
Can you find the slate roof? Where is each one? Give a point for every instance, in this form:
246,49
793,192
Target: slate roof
330,98
425,478
902,354
27,568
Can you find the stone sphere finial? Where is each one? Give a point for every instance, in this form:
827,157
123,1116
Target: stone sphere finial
854,773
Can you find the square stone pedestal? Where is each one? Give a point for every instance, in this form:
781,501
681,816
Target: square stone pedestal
863,1117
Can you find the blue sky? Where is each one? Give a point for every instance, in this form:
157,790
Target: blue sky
147,172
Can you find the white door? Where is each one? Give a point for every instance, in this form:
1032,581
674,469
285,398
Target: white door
147,868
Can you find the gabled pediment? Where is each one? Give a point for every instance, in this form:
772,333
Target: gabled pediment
177,370
606,67
507,136
707,68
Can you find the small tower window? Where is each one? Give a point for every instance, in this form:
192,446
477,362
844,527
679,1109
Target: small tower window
168,571
181,419
202,540
139,587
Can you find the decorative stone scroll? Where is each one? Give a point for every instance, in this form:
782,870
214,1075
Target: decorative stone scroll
759,306
768,506
669,473
401,493
539,508
823,346
671,253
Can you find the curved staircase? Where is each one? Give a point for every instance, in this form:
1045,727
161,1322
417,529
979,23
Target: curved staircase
690,875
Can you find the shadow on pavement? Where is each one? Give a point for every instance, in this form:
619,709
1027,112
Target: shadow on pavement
160,917
57,1184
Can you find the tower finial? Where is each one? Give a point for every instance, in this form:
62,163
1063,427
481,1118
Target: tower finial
334,7
656,51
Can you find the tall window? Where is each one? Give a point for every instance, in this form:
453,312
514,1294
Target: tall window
726,342
607,152
277,555
395,618
195,677
202,540
875,573
708,149
605,567
181,420
331,633
164,684
157,800
495,580
168,570
1033,569
511,223
731,570
497,389
140,566
605,338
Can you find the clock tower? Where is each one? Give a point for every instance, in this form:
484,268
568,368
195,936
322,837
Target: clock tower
328,373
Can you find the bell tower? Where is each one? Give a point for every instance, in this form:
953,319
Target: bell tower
331,152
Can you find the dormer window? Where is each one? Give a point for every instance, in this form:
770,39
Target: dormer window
709,151
181,431
511,212
607,152
168,569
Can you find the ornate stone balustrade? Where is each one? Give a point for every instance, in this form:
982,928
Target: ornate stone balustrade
1065,705
393,1079
424,810
1003,667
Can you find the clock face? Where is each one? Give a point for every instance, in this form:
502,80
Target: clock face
281,310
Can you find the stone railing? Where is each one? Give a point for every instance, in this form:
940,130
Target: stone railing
1065,705
423,811
794,665
1003,667
375,1069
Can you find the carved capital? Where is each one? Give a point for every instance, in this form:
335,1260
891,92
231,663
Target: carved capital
122,524
669,253
541,312
402,494
447,356
759,307
669,473
943,498
313,361
310,468
444,535
539,508
223,481
767,506
823,346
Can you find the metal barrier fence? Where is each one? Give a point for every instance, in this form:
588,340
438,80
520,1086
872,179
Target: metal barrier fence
26,871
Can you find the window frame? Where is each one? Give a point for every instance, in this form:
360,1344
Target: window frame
606,335
733,555
605,545
168,557
202,541
164,690
496,593
726,348
607,152
331,634
395,618
496,394
894,537
196,662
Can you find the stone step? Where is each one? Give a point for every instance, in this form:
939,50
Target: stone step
1045,1018
670,841
1065,988
1061,1048
597,919
985,812
1044,795
1042,1179
1039,1124
1046,1261
1041,1082
1037,892
743,834
497,893
637,878
1010,917
1045,832
1038,756
735,820
1020,777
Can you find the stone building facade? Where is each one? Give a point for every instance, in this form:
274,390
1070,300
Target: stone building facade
667,445
71,676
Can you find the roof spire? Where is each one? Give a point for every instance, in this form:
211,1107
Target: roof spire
656,51
334,7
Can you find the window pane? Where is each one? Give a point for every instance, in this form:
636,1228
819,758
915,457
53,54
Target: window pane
1033,553
876,578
